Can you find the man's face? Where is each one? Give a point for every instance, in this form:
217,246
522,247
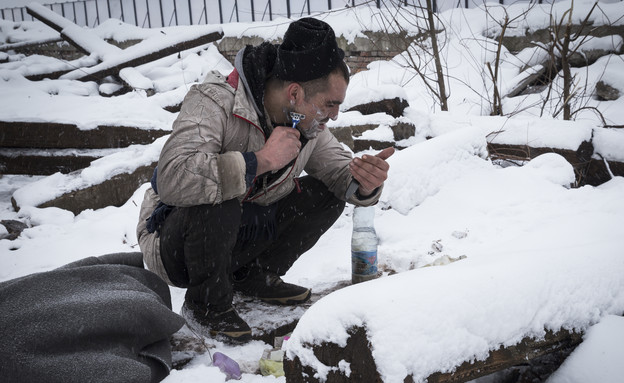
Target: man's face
322,106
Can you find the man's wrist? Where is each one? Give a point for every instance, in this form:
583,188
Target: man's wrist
263,164
251,167
362,193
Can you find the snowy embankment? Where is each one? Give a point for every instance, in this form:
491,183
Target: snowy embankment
531,264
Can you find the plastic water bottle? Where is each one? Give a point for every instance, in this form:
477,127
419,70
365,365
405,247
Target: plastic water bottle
363,245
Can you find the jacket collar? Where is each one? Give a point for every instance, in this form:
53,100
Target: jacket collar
244,105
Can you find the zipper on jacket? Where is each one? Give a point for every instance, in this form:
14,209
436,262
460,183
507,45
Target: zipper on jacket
252,124
278,184
264,184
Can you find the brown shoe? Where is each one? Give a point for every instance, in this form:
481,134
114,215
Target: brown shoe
216,323
270,288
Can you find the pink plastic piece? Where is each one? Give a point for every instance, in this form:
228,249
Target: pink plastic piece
227,365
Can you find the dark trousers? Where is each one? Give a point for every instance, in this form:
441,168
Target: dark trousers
201,247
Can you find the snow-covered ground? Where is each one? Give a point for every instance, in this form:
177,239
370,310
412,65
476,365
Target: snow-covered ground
536,254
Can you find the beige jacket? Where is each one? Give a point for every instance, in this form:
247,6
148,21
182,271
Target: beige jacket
202,161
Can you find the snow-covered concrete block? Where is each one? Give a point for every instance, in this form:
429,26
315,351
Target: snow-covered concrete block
109,181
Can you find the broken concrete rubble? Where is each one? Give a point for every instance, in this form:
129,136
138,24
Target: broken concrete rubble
113,59
394,107
605,92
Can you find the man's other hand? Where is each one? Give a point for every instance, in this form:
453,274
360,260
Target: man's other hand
371,171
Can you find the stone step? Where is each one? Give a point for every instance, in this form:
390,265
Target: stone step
43,162
107,181
352,135
52,135
114,191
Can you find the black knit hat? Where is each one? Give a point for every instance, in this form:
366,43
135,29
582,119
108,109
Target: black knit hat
309,51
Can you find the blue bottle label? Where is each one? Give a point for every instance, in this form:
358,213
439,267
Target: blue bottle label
364,262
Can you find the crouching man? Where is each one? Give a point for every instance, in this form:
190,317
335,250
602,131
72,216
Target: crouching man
227,210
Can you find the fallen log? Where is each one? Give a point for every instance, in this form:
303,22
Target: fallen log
357,353
49,75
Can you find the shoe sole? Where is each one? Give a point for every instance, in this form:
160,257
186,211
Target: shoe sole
289,300
229,336
232,337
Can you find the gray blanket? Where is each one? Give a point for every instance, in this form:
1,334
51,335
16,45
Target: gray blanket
104,319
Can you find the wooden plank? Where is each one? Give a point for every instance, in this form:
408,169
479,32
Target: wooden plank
27,45
49,75
137,55
134,79
83,39
114,59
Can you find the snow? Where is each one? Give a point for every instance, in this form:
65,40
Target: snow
514,251
357,95
416,174
49,101
598,358
521,274
611,144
